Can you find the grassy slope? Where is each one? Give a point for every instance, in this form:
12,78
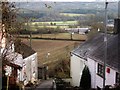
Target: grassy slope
58,50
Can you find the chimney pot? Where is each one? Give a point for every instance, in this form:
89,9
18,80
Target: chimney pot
116,26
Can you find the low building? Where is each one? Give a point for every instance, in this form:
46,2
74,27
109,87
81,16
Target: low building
78,30
29,71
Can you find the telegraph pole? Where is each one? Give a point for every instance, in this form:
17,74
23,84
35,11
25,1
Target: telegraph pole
30,39
105,43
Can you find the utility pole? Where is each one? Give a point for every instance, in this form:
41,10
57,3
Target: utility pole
105,43
30,39
30,36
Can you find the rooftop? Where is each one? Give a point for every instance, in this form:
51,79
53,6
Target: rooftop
23,49
95,49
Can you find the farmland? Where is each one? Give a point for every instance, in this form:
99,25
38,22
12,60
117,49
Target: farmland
59,36
51,24
58,51
42,47
55,22
75,15
47,26
70,14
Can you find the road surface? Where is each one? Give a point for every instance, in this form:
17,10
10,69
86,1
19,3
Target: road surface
45,85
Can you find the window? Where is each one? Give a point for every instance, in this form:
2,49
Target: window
100,70
117,77
24,73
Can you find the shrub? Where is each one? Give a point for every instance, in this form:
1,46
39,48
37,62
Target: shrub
85,82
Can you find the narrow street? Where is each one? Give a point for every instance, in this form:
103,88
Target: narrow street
45,85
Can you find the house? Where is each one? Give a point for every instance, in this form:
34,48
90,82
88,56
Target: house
78,30
8,59
20,58
92,54
29,70
9,73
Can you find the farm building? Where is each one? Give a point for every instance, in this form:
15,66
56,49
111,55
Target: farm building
78,30
92,54
19,60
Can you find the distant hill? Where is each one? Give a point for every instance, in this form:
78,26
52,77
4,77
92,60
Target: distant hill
50,11
65,6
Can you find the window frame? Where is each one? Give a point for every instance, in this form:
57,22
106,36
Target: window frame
100,70
117,79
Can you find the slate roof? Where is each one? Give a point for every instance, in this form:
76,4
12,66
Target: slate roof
95,49
6,62
23,49
15,58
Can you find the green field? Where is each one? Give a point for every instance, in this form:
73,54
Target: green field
70,14
75,15
55,24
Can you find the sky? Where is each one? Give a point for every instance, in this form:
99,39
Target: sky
80,0
71,0
53,0
60,0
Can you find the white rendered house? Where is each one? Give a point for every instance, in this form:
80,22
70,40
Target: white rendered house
19,55
91,54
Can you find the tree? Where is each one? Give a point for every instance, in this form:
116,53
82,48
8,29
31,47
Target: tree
11,19
85,82
8,16
36,26
8,25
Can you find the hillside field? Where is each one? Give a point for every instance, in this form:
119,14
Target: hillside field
76,15
58,50
51,24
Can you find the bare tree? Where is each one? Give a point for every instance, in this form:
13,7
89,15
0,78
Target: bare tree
8,25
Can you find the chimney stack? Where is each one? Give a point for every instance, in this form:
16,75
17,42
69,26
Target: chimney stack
117,26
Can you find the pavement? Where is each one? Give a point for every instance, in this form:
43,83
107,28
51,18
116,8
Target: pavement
45,85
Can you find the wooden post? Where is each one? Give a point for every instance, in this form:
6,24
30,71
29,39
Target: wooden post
7,82
30,39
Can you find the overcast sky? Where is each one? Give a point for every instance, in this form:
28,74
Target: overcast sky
59,0
70,0
80,0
